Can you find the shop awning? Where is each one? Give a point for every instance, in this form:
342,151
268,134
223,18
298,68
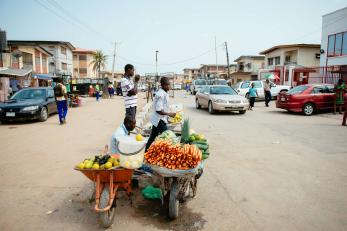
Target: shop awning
43,76
14,72
272,76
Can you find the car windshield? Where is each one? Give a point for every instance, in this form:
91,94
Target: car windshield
30,94
200,82
245,85
220,82
297,90
257,84
222,91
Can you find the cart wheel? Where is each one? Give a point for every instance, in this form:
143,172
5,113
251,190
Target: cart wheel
173,202
106,218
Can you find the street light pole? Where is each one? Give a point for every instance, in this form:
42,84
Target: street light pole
114,60
156,65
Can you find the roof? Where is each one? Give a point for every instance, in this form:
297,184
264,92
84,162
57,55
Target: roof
289,46
212,65
14,72
191,69
82,50
345,8
43,76
257,57
40,42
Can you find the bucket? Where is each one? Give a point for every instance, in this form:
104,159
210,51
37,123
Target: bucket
131,151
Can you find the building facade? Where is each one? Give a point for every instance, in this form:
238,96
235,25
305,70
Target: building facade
191,73
247,68
292,64
212,69
333,59
82,63
60,64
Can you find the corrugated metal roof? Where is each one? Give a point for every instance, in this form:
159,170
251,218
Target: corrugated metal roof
14,72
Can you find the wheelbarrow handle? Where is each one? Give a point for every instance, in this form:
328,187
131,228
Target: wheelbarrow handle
129,154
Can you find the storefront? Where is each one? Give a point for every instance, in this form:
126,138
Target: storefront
12,80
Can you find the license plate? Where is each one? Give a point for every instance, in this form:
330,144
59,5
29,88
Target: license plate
10,114
283,99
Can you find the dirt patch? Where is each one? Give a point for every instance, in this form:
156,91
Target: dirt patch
154,213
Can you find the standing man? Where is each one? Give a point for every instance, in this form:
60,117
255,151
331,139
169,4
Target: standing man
60,94
97,92
267,92
129,90
161,111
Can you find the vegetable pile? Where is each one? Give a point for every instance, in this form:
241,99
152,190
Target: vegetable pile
174,156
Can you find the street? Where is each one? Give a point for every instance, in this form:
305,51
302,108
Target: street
268,170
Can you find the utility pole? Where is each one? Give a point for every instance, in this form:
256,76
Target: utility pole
226,49
114,60
156,65
215,48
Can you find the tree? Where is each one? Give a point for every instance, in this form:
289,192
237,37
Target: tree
98,62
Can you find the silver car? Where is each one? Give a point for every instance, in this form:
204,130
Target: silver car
220,98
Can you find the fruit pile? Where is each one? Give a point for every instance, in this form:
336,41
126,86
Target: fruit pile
173,156
177,119
100,162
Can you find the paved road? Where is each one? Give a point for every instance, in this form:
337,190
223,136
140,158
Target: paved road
269,170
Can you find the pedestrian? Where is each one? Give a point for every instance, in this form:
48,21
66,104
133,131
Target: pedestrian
61,97
124,129
19,87
340,90
129,90
109,89
91,91
252,93
267,92
160,111
97,92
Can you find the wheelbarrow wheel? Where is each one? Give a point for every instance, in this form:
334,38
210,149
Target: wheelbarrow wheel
106,218
173,201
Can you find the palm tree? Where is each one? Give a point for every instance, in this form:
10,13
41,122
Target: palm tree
99,61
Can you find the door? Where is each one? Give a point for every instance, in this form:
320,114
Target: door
318,97
51,104
204,96
329,97
244,88
260,89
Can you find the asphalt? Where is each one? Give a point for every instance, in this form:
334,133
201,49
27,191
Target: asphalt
268,170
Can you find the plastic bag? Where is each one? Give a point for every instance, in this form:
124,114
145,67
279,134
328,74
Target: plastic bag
152,193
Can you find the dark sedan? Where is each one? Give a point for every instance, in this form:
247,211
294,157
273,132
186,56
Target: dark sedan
29,104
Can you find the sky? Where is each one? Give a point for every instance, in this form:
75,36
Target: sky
183,31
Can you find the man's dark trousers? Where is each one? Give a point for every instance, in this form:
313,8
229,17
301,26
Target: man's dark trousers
267,97
155,132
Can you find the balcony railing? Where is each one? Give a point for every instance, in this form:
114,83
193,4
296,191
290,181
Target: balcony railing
290,63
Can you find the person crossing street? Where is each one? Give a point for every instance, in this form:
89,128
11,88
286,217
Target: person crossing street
267,92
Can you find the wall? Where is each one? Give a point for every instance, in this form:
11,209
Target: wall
333,23
59,58
307,57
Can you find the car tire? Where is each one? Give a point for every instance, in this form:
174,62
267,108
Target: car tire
210,108
43,114
308,109
242,112
197,105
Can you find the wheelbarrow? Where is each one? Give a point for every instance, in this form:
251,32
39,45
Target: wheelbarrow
107,183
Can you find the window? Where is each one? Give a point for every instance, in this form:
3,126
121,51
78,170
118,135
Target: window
344,44
200,82
27,58
337,44
257,84
287,58
63,50
318,90
37,61
331,45
51,48
75,69
83,70
75,57
297,90
222,91
50,93
64,66
82,57
245,85
270,61
44,60
277,60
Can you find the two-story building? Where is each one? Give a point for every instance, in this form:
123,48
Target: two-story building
60,64
333,58
82,63
212,69
247,68
291,64
191,73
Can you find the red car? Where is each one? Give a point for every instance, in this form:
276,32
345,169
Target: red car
307,98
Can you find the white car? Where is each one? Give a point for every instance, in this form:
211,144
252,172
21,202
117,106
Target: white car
197,85
243,87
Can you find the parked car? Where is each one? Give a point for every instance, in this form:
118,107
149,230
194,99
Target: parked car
177,86
220,98
220,82
29,104
307,99
197,85
243,87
